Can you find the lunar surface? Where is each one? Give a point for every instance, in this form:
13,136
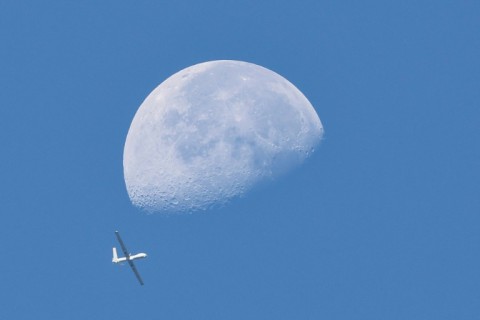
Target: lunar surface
211,132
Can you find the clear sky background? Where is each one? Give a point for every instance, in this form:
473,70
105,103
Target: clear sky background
383,222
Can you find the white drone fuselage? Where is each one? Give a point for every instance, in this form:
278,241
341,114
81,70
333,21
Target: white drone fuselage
116,259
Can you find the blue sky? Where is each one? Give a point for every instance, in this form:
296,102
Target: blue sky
383,222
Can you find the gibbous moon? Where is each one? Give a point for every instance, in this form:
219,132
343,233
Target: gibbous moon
211,132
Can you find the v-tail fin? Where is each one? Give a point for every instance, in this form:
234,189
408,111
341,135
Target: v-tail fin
115,255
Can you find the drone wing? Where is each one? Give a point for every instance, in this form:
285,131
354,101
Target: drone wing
124,249
130,262
127,255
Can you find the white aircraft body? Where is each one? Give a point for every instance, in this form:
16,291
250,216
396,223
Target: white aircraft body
128,257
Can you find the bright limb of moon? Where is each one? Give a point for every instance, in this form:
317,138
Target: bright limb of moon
211,132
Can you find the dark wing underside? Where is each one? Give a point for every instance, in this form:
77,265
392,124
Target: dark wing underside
124,249
127,255
130,262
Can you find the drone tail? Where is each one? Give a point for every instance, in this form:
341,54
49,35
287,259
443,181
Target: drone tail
115,255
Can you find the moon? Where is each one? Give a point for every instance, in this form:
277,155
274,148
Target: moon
211,132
